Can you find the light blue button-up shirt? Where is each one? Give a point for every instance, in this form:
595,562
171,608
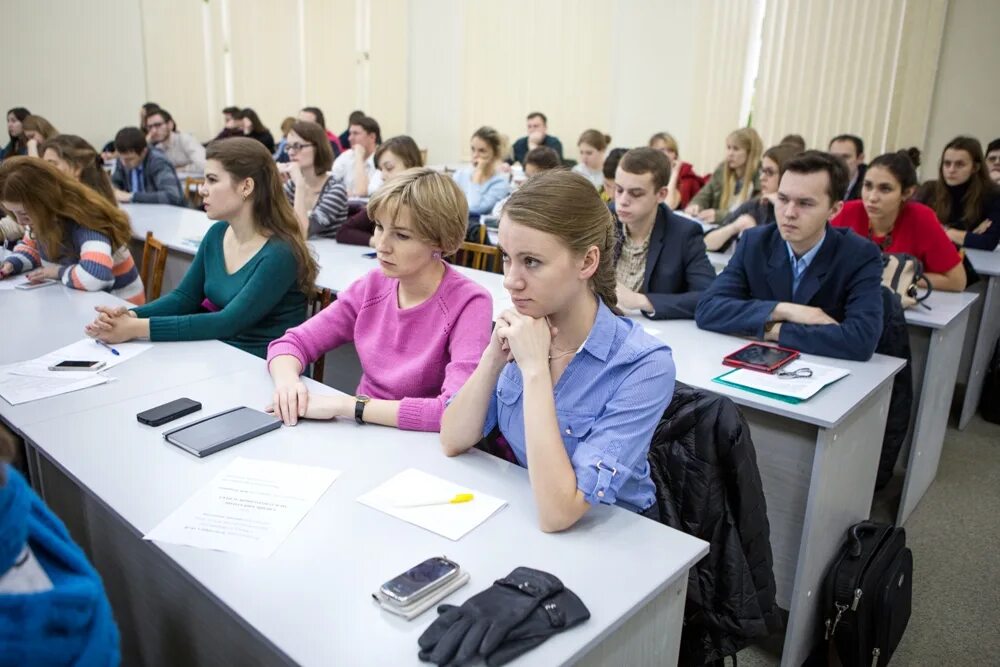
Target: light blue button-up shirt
800,264
608,402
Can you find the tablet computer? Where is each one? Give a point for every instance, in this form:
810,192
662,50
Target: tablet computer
225,429
760,357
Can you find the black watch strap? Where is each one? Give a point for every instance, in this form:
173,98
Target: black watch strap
359,410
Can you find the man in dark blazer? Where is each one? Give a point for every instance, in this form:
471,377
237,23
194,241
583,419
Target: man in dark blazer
802,283
662,267
851,149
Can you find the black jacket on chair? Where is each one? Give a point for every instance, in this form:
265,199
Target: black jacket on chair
895,342
708,485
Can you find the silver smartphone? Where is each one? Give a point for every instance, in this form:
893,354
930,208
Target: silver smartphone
43,283
418,581
78,366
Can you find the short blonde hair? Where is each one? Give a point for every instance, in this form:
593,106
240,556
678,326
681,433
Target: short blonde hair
438,208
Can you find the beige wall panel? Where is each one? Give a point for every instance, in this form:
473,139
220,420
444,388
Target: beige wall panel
649,92
264,39
966,94
723,31
434,78
529,56
176,73
330,59
79,64
387,66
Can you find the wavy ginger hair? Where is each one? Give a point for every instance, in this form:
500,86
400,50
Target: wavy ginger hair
53,199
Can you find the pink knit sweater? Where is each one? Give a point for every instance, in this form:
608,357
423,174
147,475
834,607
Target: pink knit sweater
419,356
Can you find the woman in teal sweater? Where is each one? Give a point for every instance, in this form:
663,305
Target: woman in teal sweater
251,276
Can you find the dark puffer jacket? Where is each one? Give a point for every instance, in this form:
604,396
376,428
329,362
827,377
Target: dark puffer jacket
708,485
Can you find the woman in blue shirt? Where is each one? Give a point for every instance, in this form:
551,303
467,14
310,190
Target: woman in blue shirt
586,387
483,183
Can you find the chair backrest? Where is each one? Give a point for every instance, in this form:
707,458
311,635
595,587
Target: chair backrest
154,262
479,256
192,190
320,299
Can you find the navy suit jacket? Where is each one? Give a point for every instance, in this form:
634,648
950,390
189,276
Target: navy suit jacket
677,268
844,280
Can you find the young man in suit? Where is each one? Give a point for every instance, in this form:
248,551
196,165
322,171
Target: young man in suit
802,283
662,268
143,174
850,149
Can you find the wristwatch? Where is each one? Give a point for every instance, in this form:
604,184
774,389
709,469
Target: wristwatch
359,408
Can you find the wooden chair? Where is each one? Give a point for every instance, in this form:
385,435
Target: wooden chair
321,298
192,188
480,257
154,262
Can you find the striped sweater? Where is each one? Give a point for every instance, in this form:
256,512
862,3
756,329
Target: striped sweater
330,210
88,265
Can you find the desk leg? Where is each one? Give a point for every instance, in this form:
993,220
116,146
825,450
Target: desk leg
933,400
652,636
817,484
989,331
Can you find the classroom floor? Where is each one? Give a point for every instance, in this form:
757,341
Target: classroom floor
955,537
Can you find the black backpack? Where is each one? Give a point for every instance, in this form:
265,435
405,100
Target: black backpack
989,400
867,595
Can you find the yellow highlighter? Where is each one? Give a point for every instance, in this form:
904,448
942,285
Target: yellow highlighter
427,502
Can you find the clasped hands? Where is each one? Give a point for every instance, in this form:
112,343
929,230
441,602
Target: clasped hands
798,314
113,324
522,339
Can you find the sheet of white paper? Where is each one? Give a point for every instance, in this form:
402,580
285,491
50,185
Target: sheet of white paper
13,281
85,349
249,508
18,389
451,521
800,388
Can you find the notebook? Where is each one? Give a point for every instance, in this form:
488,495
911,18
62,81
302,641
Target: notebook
219,431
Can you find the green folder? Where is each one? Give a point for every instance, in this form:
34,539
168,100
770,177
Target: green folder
759,392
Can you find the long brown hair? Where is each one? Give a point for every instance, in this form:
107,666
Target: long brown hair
54,199
567,205
979,185
38,124
243,158
747,139
76,151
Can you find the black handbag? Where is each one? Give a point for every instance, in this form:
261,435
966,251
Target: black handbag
867,595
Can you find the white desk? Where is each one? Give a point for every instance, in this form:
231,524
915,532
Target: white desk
818,459
817,462
936,338
112,479
987,327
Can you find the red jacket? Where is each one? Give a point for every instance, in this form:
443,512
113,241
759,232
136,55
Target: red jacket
688,184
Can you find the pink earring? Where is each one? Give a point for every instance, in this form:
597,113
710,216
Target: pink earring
437,255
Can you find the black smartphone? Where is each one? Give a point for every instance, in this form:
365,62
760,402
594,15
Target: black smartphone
168,412
419,580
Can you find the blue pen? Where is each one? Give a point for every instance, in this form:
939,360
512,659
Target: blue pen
103,344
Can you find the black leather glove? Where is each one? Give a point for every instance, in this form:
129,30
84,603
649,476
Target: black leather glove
460,634
560,612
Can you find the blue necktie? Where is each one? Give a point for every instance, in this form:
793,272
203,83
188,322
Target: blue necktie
137,182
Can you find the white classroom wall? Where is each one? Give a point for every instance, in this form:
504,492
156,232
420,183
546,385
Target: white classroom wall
437,69
967,90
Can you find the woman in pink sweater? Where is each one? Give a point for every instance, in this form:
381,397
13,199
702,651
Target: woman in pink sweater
418,325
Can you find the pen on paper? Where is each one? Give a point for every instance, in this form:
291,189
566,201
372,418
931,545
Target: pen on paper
427,502
108,347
